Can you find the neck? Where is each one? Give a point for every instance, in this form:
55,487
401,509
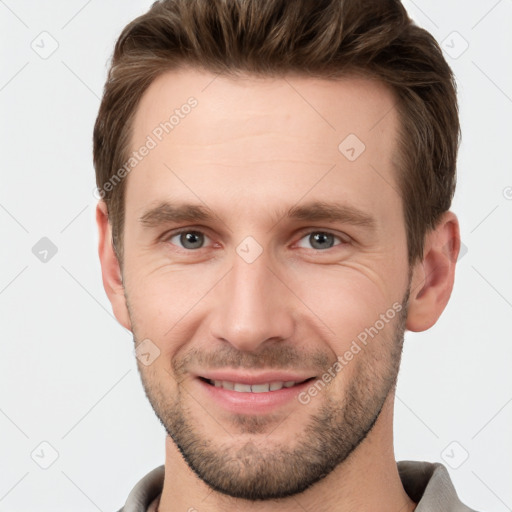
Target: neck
367,480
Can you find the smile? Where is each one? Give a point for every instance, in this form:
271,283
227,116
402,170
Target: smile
242,392
265,387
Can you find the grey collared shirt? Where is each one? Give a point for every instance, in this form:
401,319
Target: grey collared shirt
427,484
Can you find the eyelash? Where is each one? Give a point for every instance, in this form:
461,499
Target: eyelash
167,237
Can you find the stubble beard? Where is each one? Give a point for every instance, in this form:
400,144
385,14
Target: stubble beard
263,471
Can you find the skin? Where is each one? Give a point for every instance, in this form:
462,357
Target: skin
250,150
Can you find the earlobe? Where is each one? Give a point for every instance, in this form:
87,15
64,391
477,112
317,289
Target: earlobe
433,276
110,268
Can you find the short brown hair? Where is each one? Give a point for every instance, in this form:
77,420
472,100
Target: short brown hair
319,38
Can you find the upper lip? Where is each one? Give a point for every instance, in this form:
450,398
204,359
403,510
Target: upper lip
244,377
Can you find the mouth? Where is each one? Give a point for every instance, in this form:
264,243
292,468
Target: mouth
263,387
247,393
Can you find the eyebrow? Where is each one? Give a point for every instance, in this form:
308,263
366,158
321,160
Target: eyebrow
166,213
331,212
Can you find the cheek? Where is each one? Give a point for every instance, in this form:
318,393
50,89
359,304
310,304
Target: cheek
163,301
347,299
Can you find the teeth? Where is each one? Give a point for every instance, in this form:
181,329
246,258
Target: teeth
254,388
228,385
260,388
275,386
242,388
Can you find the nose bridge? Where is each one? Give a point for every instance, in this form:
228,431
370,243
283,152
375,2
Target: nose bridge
250,305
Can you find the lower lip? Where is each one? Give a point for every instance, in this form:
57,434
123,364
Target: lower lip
252,403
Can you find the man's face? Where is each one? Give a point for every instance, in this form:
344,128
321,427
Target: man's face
256,252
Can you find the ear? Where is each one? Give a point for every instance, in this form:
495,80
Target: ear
110,268
433,276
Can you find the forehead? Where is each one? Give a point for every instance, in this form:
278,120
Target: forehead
264,137
336,107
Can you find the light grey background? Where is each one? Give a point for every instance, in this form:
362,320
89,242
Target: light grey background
68,373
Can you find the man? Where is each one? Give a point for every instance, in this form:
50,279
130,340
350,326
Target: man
276,179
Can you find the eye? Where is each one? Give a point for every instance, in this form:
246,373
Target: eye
189,239
320,240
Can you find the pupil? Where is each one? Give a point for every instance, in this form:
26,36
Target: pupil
191,240
321,240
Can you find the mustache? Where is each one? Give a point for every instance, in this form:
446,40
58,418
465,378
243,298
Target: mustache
269,357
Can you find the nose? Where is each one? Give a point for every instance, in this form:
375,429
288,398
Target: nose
252,306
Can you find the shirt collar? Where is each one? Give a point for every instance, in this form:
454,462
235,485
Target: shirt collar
427,484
